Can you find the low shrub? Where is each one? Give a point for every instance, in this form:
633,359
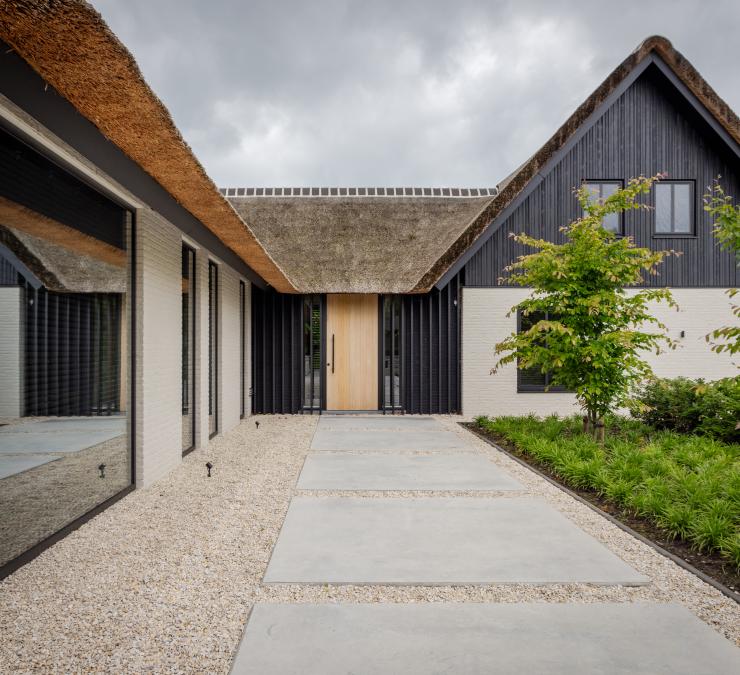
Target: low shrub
687,485
691,406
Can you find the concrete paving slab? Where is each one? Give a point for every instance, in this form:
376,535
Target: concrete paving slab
13,464
456,471
60,441
386,440
379,422
437,540
479,639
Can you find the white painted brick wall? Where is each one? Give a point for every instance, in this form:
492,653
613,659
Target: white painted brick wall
11,352
485,323
230,364
158,404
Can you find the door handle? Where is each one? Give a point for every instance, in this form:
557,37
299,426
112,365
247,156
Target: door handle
332,353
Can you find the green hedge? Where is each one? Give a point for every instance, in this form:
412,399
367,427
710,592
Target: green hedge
687,485
684,405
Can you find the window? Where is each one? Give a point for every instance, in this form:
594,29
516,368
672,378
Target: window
188,349
532,379
212,349
674,207
391,352
600,190
66,357
243,349
312,360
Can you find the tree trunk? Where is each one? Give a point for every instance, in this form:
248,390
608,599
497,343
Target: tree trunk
600,431
586,424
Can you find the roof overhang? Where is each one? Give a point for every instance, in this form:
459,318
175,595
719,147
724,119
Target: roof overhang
100,78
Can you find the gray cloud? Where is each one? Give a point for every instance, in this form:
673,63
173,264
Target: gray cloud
393,92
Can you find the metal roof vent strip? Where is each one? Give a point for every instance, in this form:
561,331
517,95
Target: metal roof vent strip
407,192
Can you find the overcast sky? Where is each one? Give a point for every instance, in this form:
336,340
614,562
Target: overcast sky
395,93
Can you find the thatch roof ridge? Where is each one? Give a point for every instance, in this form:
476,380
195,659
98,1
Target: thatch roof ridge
351,244
100,78
510,188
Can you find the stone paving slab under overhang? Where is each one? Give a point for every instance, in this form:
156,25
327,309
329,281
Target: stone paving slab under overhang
391,471
379,422
438,540
479,639
384,440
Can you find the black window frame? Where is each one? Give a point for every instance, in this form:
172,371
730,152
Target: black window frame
242,349
545,387
213,345
313,401
193,307
608,181
675,234
388,402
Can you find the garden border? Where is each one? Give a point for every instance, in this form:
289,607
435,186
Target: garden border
469,426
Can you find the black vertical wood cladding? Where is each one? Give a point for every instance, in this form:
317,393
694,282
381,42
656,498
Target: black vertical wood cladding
72,356
647,130
277,366
430,353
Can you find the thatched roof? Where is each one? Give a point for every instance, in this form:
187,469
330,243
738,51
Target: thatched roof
357,244
510,187
61,269
69,45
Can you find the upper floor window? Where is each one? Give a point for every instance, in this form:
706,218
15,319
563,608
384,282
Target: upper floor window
674,207
600,190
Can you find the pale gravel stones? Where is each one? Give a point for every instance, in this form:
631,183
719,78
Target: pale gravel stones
163,581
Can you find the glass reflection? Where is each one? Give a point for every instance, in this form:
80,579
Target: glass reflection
64,277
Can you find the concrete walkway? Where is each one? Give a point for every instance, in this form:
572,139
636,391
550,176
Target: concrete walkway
451,518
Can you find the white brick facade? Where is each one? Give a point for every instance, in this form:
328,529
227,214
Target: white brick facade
158,337
485,323
11,352
159,311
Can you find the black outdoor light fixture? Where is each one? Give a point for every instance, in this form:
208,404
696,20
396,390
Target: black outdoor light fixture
209,466
257,424
101,468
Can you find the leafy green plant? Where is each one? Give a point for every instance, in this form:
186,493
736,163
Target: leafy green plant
685,405
597,333
726,216
687,485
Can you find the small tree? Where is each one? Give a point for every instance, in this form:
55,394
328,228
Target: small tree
594,335
727,230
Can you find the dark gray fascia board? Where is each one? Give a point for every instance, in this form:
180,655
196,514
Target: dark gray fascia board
26,89
653,59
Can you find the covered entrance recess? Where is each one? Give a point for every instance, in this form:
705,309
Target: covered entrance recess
351,351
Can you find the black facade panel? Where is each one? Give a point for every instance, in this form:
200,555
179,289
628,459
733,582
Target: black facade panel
276,352
431,351
649,129
72,364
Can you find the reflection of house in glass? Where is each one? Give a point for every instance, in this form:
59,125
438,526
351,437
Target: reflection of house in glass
63,403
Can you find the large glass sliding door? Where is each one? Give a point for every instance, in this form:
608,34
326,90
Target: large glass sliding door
66,269
188,349
213,336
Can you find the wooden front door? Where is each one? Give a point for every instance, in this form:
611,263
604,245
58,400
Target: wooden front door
351,352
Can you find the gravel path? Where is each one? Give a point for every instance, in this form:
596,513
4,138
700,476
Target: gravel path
163,581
